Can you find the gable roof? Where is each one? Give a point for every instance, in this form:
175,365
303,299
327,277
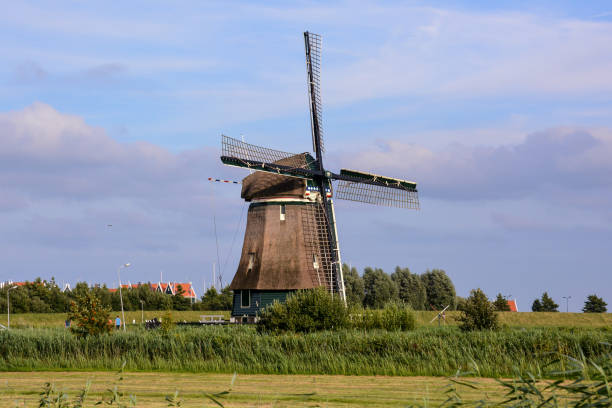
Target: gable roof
513,306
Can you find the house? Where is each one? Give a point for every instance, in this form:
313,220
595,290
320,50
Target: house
169,288
513,306
11,283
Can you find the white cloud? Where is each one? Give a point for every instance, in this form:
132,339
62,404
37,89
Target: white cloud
563,165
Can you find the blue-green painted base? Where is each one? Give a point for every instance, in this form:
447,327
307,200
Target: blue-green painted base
255,300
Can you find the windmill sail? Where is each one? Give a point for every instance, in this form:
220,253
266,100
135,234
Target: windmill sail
238,153
375,189
313,68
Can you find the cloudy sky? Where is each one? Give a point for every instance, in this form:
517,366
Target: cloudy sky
112,115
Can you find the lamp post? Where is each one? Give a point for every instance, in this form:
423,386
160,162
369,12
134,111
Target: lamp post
142,310
567,298
120,294
8,307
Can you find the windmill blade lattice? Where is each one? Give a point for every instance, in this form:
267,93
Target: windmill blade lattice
313,65
238,153
377,195
370,188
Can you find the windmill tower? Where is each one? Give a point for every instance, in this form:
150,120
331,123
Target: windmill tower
291,241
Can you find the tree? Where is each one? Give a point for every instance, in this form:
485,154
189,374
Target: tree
594,304
379,288
545,304
213,300
90,316
478,313
501,304
410,288
536,306
180,302
548,305
440,289
353,286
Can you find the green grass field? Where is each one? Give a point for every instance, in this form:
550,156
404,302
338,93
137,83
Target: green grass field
22,389
39,320
523,319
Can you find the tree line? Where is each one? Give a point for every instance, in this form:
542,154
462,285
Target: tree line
42,296
431,290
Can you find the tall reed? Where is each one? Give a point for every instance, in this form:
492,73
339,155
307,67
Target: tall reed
437,351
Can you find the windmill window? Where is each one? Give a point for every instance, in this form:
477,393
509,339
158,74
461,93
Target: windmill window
315,262
283,212
251,262
245,298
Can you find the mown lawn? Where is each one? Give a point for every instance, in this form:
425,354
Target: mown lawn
22,389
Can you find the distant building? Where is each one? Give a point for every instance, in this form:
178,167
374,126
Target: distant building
169,288
513,306
11,283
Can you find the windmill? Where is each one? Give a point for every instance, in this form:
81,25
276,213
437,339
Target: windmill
291,240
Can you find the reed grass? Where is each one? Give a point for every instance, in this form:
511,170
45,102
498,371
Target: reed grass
426,351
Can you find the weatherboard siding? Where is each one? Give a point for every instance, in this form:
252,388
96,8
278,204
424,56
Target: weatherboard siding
259,300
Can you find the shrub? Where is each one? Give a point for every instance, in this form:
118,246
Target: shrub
167,323
91,317
394,316
305,311
478,313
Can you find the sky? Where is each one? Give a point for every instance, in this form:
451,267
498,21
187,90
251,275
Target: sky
111,118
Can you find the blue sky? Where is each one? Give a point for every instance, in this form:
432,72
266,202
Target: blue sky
112,114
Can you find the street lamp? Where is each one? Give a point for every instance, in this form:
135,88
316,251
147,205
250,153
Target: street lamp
567,298
120,294
142,309
8,307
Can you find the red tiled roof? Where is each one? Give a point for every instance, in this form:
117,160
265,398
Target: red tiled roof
512,304
188,291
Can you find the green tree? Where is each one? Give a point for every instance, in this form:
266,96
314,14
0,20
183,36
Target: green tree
594,304
353,286
410,288
379,288
536,306
478,313
501,304
180,302
440,289
548,305
213,300
90,316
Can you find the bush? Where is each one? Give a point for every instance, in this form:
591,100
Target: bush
478,313
305,311
167,322
91,317
394,316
